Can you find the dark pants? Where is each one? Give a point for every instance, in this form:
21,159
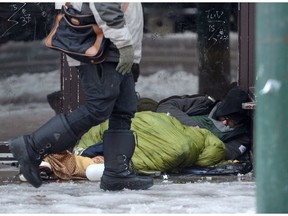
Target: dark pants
108,95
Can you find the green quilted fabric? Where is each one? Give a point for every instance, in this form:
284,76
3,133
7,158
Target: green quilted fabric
164,144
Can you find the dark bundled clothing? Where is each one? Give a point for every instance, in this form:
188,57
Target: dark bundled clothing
202,111
231,106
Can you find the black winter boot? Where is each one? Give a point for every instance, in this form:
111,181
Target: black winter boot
53,137
119,146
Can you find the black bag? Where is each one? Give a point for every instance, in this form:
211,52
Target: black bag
78,36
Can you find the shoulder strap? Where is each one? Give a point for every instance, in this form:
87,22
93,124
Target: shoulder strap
124,5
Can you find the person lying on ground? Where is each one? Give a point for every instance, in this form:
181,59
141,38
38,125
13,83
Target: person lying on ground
168,143
226,119
163,144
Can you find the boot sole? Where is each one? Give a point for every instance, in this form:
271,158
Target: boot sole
29,171
120,184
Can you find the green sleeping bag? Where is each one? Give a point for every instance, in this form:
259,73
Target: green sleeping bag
164,144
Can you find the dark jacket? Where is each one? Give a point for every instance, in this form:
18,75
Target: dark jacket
183,108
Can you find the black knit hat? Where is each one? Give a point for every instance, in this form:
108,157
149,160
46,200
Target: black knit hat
231,105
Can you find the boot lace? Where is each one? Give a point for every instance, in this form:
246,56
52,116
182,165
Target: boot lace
132,169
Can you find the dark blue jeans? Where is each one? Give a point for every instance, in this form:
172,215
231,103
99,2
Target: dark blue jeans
108,95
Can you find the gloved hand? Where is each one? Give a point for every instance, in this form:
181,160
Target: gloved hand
125,60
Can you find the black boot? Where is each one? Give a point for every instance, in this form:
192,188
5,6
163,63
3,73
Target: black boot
53,137
119,146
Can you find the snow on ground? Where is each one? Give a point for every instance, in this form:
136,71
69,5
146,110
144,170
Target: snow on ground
86,197
30,88
163,84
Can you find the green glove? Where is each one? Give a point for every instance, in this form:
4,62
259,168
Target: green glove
125,60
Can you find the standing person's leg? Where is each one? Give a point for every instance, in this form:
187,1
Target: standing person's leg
53,137
101,87
62,131
119,143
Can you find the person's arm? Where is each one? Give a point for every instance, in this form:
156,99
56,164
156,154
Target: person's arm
111,20
177,109
183,108
236,147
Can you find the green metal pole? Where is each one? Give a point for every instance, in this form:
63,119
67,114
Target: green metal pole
272,107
